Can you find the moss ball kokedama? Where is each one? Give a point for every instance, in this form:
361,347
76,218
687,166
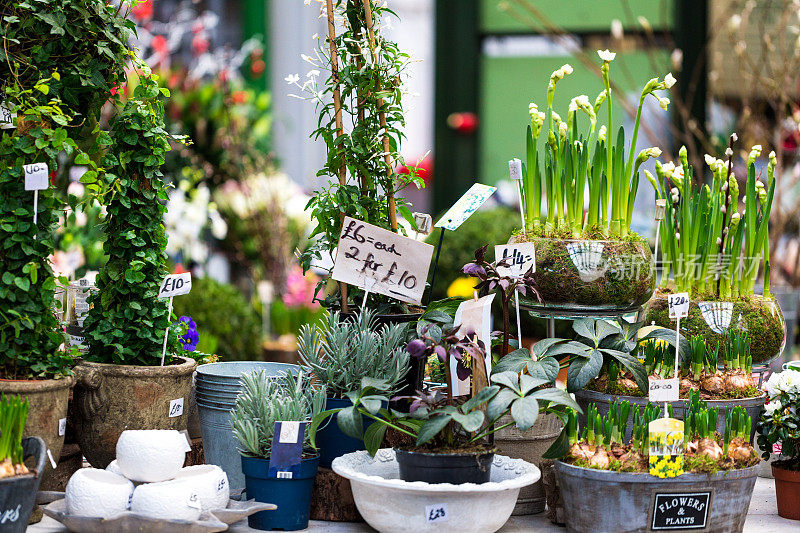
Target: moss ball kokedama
585,258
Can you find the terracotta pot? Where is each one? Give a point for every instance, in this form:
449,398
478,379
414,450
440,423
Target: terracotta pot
113,398
787,492
47,415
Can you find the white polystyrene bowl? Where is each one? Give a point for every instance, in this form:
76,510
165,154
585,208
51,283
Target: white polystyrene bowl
113,467
151,455
93,492
168,500
210,482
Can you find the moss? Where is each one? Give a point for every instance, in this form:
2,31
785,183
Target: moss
760,317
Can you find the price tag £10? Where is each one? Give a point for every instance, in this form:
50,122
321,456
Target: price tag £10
679,305
36,176
175,285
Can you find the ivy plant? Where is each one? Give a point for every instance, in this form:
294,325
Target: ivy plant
127,322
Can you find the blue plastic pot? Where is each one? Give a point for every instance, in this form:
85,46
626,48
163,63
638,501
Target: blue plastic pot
292,496
331,441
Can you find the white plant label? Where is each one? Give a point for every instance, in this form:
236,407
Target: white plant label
36,176
475,315
436,513
515,169
679,305
284,475
424,223
661,209
53,462
290,431
62,427
397,264
521,258
175,285
465,206
664,390
7,117
175,407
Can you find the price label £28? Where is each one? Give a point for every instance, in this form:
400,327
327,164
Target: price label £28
384,262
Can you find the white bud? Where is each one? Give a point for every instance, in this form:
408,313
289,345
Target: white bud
728,152
606,55
669,80
719,241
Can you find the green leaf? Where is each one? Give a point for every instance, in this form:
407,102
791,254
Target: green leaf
315,423
483,396
471,421
525,411
350,422
431,428
373,437
559,448
499,404
582,370
557,396
23,283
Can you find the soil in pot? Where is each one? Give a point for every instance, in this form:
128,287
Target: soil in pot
292,496
455,467
113,398
787,489
599,275
760,317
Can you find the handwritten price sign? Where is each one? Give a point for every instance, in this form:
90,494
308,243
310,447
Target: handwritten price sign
679,305
520,258
36,176
664,390
7,117
175,285
383,261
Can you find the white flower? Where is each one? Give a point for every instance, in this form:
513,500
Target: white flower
566,68
711,161
669,80
291,79
606,55
312,73
728,152
616,29
562,130
601,135
663,102
735,22
771,407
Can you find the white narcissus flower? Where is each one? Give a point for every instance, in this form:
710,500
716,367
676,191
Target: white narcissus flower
566,68
663,102
711,161
669,80
556,117
606,55
562,130
601,135
291,79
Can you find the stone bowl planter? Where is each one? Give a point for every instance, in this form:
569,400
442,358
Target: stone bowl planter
113,398
18,493
601,500
391,505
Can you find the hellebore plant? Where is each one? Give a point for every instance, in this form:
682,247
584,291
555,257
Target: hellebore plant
576,161
704,239
780,421
440,422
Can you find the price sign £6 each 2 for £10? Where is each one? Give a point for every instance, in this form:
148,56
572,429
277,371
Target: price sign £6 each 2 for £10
381,261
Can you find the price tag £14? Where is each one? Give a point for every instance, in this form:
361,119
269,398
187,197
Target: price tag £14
518,258
679,305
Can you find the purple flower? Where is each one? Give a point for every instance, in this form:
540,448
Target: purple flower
440,351
416,348
474,270
462,371
191,337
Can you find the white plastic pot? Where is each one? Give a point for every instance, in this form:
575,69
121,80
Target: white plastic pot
97,493
392,505
151,455
168,500
210,482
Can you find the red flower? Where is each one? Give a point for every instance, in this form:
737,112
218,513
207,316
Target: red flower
159,44
257,67
199,44
179,269
239,97
423,170
143,10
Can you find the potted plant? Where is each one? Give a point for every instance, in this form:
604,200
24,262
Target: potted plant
338,355
590,261
121,383
779,424
18,484
263,401
600,461
449,435
715,253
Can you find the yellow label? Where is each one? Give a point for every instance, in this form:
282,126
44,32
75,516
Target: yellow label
666,447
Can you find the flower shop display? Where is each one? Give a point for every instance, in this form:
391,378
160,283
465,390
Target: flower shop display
120,383
52,81
446,435
18,484
263,402
339,355
715,253
706,481
586,260
779,426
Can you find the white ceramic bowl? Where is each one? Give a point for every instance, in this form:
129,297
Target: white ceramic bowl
392,505
168,500
210,482
97,493
151,455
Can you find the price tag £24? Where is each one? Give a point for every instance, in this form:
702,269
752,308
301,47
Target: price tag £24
679,305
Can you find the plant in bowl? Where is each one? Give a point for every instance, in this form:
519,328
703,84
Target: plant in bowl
448,436
18,483
339,355
263,401
586,259
601,459
779,425
122,383
715,253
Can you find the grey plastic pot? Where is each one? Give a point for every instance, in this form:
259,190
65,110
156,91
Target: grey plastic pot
18,493
584,397
600,501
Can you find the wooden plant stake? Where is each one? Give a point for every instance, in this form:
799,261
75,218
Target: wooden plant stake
381,117
337,106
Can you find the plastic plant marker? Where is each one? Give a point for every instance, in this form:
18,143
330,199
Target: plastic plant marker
287,449
465,206
36,179
473,314
666,447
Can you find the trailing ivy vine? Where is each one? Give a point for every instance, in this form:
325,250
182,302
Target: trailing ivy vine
127,321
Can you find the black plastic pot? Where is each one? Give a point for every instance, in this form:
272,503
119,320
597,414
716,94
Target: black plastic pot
18,493
455,468
412,382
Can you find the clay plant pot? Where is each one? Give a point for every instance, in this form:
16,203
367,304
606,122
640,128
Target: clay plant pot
47,415
18,493
760,317
591,276
787,491
113,398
